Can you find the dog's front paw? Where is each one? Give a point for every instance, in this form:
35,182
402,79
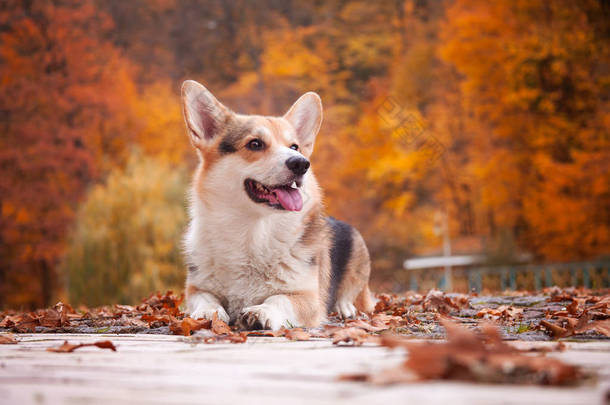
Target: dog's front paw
263,316
345,309
208,313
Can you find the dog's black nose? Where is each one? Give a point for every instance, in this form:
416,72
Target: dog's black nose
298,165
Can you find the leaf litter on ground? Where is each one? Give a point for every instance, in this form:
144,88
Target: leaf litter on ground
556,312
468,356
586,314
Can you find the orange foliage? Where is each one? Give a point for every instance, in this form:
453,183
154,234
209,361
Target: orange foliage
69,108
495,112
533,93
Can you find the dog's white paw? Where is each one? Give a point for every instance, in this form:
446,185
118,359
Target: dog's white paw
208,312
263,316
345,309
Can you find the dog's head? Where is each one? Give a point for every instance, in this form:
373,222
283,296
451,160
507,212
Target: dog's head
252,161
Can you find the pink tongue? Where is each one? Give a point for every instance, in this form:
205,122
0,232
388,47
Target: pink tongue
289,198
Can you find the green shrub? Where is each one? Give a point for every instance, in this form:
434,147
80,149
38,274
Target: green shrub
127,238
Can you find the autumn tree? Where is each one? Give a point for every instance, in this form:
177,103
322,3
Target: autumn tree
127,237
493,112
59,83
535,94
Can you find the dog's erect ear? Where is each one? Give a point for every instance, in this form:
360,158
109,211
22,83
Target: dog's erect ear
305,115
204,115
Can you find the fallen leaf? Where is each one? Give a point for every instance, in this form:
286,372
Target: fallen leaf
26,323
124,308
219,326
436,300
105,344
488,313
267,333
575,306
577,325
188,325
356,336
555,330
64,348
69,348
153,319
601,327
8,339
297,334
390,321
241,337
51,318
360,323
466,356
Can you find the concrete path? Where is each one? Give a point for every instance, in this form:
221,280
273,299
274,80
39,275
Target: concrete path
161,369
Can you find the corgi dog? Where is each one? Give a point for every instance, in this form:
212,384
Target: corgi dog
260,252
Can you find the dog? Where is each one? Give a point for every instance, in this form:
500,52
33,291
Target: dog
260,252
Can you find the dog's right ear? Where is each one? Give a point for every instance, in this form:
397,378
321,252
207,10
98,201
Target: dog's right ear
203,113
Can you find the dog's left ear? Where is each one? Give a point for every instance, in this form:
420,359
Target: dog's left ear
305,115
203,113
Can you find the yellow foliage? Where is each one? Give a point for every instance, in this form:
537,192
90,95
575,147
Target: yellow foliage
161,126
127,237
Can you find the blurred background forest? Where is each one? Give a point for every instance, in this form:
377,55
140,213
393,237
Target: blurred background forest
492,114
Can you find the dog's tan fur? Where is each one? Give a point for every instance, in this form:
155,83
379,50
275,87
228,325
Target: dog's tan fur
255,265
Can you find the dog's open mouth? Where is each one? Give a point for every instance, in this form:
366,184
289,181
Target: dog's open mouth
285,197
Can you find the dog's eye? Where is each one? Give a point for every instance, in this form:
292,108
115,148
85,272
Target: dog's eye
294,146
255,144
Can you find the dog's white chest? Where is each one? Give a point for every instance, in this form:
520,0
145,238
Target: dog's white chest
245,262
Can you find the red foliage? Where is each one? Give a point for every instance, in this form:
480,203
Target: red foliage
60,82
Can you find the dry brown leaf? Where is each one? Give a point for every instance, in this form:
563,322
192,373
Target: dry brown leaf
219,326
510,312
124,308
602,327
467,356
167,303
297,334
356,336
577,325
241,337
50,319
503,312
362,324
487,313
436,300
8,339
69,348
9,321
153,319
267,333
390,321
26,323
188,325
64,348
575,306
555,330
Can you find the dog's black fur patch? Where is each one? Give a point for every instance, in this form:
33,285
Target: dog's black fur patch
226,147
340,252
233,135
